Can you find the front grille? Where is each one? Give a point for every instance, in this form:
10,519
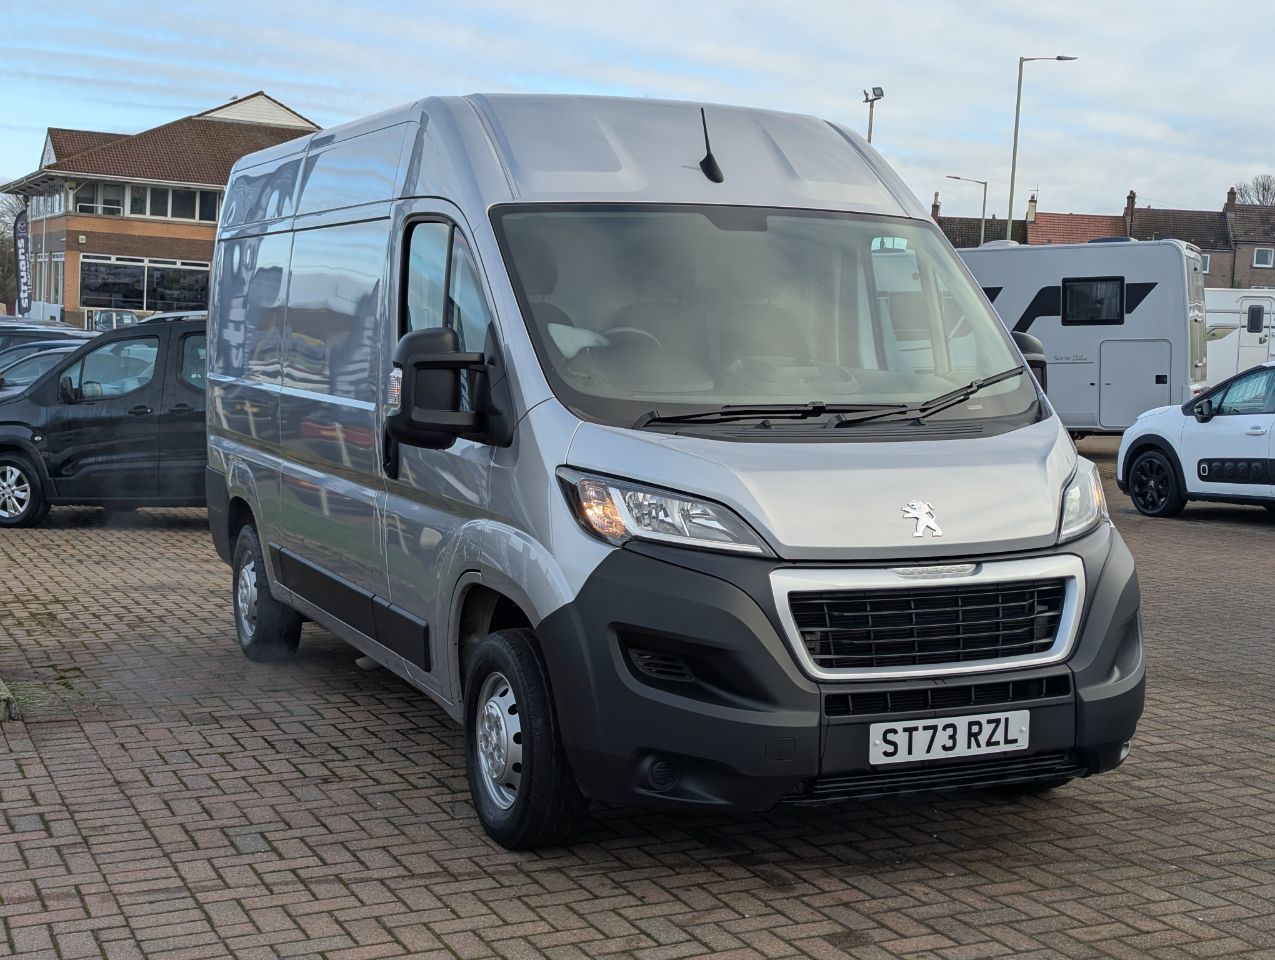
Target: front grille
922,626
944,775
951,697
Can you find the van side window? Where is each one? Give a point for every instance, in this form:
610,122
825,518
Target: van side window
1092,300
425,300
194,359
469,314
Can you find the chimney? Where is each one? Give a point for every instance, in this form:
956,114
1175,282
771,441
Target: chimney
1031,209
1230,201
1130,202
934,207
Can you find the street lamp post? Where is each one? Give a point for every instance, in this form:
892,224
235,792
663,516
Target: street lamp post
982,223
1013,160
871,100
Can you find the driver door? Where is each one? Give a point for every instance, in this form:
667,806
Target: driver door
1229,455
103,429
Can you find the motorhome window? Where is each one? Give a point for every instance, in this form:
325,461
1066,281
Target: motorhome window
1256,318
685,308
1250,394
1264,257
115,369
1092,300
425,290
334,295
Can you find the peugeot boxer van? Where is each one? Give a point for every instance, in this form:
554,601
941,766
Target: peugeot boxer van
670,448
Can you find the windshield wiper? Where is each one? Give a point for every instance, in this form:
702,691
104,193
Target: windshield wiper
942,402
776,411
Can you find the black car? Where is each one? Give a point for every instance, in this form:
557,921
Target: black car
21,368
14,334
117,423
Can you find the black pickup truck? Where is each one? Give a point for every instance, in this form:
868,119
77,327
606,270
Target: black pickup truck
119,423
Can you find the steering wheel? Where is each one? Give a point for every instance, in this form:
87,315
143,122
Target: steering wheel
636,331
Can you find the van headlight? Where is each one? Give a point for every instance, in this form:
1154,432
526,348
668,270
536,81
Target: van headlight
1084,505
617,511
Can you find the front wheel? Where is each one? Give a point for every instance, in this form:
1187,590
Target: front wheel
522,786
22,502
1154,487
267,629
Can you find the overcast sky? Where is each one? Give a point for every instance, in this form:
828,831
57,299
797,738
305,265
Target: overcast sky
1167,97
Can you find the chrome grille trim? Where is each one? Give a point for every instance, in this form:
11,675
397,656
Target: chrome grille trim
1067,567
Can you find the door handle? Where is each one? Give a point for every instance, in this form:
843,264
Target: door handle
181,409
140,410
1257,431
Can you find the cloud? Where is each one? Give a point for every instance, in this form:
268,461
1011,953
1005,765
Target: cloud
1151,104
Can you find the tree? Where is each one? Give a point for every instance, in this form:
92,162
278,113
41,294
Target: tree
1260,189
9,207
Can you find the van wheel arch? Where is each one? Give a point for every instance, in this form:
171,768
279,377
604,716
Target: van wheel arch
238,516
483,611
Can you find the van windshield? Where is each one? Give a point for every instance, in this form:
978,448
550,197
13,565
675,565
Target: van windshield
683,309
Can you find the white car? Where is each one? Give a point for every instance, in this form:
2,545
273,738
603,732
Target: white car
1217,447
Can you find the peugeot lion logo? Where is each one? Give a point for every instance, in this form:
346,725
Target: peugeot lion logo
923,514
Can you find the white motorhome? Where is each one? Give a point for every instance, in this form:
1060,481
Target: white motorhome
1239,330
1122,323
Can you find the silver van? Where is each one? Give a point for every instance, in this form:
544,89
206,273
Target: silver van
670,448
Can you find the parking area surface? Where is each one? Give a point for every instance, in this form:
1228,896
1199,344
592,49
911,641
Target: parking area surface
165,797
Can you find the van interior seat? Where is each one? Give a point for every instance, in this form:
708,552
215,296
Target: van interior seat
665,307
538,272
753,326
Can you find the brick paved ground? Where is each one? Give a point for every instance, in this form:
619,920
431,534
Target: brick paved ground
167,798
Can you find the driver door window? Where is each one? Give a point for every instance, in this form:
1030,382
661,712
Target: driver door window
115,369
1252,394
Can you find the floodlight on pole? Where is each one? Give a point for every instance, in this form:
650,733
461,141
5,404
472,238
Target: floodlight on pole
982,223
871,100
1013,159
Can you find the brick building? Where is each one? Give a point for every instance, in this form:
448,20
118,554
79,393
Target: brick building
127,221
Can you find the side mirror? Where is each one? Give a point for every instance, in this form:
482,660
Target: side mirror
426,382
1256,318
1033,352
66,392
1204,410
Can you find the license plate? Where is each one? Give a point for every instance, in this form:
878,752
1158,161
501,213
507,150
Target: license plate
948,737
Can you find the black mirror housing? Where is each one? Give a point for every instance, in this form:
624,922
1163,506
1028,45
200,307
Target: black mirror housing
429,412
1203,410
1033,352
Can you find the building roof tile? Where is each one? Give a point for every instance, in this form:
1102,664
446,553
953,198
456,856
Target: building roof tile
1207,229
1073,227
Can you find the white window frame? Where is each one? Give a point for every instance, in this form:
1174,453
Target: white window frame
1270,258
170,187
1204,263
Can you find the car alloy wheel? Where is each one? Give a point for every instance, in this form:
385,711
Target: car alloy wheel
15,492
1152,484
246,599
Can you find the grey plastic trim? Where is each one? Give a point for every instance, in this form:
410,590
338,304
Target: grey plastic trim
1069,567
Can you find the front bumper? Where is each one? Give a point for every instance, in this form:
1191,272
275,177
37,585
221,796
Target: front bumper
675,687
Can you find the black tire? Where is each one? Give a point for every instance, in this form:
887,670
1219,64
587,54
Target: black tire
22,502
1153,486
1270,507
519,777
268,631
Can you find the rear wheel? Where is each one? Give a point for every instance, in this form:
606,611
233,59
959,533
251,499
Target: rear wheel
22,502
1154,487
268,630
521,783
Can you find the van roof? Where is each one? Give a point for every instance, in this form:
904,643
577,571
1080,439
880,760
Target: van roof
494,148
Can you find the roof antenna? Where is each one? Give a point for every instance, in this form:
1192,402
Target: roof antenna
709,163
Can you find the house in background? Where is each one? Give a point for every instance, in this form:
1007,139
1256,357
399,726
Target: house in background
127,221
1207,229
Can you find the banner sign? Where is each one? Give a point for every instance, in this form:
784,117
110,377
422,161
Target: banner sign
22,253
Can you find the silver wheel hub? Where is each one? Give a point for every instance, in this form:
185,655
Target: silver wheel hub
15,492
246,600
498,734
